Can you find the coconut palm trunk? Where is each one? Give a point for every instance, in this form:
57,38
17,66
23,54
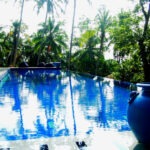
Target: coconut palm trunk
144,50
16,38
72,34
46,17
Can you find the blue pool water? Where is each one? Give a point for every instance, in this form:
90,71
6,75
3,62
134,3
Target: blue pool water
37,103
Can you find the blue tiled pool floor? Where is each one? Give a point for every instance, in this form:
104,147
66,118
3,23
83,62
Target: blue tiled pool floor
106,140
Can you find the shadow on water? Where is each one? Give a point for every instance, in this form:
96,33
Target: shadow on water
102,108
72,103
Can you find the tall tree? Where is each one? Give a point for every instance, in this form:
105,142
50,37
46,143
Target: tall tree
122,35
86,56
17,35
51,7
72,31
144,48
104,21
130,36
53,41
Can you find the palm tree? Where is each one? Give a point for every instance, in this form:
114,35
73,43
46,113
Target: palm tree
104,21
17,35
52,42
51,6
85,58
72,31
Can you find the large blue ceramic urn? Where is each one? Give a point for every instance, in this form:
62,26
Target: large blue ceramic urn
138,113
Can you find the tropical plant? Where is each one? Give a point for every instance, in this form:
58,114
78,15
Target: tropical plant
53,42
103,20
133,31
126,34
72,32
129,70
122,36
143,40
85,58
3,47
17,26
51,7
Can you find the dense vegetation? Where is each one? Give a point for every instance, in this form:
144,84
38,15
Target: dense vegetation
128,34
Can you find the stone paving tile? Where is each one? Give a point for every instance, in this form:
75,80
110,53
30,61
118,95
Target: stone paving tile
105,140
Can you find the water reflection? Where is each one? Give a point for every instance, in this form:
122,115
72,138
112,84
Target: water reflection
47,103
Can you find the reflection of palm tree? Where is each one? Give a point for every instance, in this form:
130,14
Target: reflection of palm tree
102,108
17,36
72,31
72,102
40,127
17,104
49,95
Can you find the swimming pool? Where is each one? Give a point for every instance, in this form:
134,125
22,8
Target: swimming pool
37,103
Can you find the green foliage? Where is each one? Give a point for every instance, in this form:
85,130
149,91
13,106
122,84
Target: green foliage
8,44
126,31
103,21
52,6
84,24
122,35
130,70
49,41
3,50
88,61
88,39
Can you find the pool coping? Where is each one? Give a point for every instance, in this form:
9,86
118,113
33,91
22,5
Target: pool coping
120,83
3,73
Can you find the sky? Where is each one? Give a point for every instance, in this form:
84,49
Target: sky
10,12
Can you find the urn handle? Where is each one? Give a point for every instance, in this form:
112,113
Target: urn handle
133,95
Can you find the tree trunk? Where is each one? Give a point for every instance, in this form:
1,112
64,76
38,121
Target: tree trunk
102,37
143,49
14,51
16,39
146,65
72,32
46,18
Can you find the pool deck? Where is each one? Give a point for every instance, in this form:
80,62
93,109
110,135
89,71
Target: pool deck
106,140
